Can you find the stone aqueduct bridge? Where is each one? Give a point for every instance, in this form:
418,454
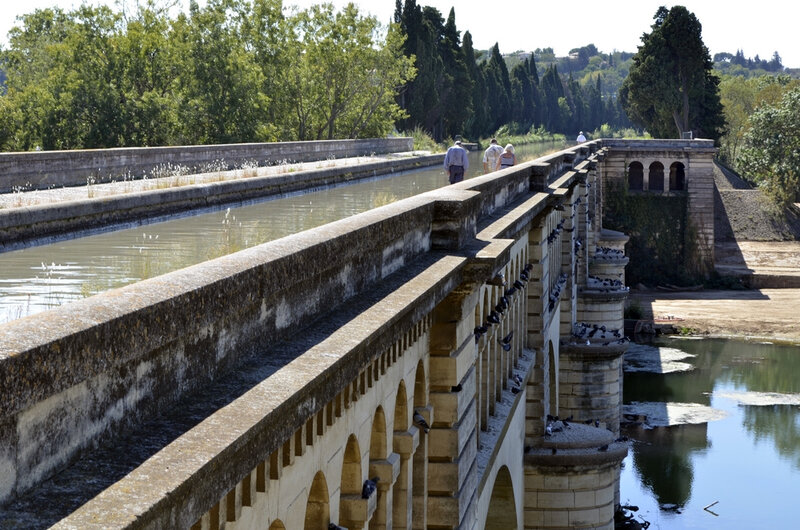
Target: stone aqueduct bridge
261,389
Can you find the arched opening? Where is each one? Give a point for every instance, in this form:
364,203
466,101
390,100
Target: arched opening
677,177
377,440
401,408
277,525
378,452
351,468
419,471
317,510
636,176
401,492
655,177
502,505
553,379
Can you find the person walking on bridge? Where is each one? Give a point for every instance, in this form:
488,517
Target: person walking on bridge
581,138
491,155
456,161
507,158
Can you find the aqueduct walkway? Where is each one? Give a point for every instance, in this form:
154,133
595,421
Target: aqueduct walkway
263,389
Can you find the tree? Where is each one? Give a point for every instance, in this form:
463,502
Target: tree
771,154
670,88
345,79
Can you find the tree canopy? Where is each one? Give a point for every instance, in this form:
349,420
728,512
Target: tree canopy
771,152
231,71
671,87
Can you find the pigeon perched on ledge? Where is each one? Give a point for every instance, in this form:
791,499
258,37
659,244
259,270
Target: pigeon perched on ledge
419,420
370,486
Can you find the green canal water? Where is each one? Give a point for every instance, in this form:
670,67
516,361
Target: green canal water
740,469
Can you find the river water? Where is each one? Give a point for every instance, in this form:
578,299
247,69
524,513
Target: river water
732,458
38,278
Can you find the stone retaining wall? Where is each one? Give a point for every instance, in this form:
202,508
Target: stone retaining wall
54,169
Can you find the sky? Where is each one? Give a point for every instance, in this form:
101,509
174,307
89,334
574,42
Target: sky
757,28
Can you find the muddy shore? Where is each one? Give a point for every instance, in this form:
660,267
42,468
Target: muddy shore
765,314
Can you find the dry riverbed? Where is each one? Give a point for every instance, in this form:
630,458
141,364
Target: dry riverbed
769,314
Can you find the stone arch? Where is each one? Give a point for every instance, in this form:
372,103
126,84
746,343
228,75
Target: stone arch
419,466
317,509
677,177
655,177
351,468
377,440
401,492
502,513
636,176
401,408
277,525
553,378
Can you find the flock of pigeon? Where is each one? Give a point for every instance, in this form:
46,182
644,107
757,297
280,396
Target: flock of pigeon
608,253
555,425
493,318
556,292
583,331
605,284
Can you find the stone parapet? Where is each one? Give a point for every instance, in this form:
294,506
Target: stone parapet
49,169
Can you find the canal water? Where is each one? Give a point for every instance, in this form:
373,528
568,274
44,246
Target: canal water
731,457
38,278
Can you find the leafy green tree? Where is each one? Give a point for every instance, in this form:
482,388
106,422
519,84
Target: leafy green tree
771,153
670,88
223,99
345,79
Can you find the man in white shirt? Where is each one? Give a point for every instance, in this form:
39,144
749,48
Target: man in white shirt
491,155
581,138
456,161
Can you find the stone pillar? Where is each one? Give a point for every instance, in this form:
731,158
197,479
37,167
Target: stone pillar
570,481
700,210
387,470
590,383
452,468
405,443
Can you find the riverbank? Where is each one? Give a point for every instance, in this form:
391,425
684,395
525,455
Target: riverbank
763,314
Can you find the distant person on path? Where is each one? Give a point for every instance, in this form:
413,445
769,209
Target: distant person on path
507,158
456,161
491,155
581,138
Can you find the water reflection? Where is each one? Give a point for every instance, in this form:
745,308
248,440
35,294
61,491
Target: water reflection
38,278
672,473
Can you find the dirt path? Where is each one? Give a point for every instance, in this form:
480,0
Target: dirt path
772,314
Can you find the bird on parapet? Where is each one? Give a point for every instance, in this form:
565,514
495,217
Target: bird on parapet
512,291
493,318
525,275
419,420
500,308
334,526
518,379
518,284
456,388
505,342
603,448
515,390
370,486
